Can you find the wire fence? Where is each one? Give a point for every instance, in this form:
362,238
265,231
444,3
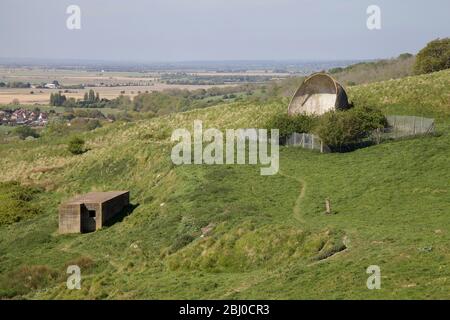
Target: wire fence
398,127
403,126
307,141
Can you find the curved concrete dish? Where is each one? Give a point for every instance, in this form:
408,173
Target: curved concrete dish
318,94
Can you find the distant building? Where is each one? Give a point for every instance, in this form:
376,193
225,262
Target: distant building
50,86
89,212
23,117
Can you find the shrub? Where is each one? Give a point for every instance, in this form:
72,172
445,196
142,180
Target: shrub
25,279
17,202
93,124
56,127
180,242
340,129
288,124
24,131
76,145
434,57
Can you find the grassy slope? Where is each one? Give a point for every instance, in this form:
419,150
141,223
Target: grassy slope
368,72
271,238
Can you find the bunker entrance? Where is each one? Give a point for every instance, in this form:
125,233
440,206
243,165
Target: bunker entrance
88,217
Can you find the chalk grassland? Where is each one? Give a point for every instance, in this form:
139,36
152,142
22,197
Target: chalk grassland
427,95
264,237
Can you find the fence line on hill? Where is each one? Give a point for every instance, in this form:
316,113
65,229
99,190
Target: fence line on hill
403,126
398,127
307,141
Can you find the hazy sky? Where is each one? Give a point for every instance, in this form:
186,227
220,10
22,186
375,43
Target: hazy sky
169,30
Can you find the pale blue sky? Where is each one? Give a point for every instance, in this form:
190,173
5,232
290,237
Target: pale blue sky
180,30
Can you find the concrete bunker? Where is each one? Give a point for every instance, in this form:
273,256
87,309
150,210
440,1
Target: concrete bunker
90,212
318,94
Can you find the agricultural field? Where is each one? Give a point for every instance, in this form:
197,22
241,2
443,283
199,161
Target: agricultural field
110,84
266,237
42,96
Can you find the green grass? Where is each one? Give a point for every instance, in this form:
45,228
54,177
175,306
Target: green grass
426,95
4,129
270,237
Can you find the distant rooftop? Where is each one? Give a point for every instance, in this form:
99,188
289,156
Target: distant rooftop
95,197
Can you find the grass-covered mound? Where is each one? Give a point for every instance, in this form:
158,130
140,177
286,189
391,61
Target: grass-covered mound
228,232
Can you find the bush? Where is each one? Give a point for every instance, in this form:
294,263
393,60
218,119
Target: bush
17,202
24,131
76,145
180,242
27,278
434,57
56,127
339,129
93,124
288,124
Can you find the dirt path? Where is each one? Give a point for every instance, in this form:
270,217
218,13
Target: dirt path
296,209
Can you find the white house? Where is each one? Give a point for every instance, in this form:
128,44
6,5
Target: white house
50,86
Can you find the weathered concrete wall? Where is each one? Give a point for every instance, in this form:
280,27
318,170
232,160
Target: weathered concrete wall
74,216
114,206
318,94
89,224
70,218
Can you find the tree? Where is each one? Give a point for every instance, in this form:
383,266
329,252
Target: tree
76,145
70,103
91,96
404,56
434,57
288,124
57,99
24,131
86,97
341,129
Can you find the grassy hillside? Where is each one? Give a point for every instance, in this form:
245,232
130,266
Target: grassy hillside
356,74
427,95
268,237
368,72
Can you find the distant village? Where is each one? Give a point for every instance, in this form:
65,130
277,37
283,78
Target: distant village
23,117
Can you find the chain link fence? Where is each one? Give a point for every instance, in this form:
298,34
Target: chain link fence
307,141
398,127
403,126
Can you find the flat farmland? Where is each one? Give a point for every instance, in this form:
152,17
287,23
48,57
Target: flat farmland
108,84
42,96
68,77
